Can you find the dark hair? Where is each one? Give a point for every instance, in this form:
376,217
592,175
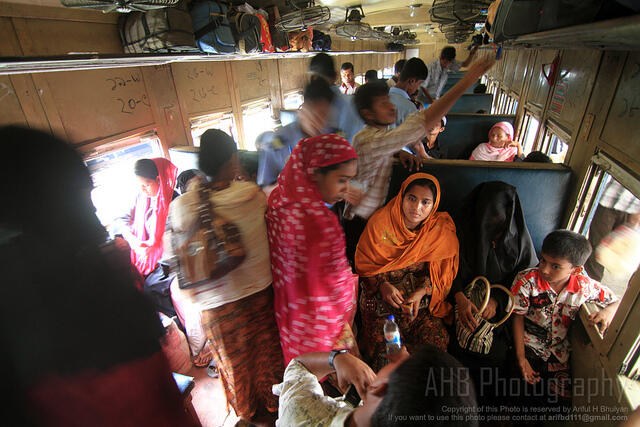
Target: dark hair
537,157
53,196
399,65
145,168
567,244
365,94
346,66
185,177
414,68
429,383
448,53
422,182
216,148
318,90
371,75
326,169
480,88
322,65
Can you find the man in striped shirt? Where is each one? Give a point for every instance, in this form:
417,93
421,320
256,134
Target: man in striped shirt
376,144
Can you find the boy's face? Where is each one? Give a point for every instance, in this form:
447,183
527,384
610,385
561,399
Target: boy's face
556,271
382,112
432,134
413,85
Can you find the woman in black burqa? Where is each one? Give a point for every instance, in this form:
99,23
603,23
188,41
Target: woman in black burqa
494,243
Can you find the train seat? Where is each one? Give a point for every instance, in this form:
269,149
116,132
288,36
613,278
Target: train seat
464,132
470,103
543,188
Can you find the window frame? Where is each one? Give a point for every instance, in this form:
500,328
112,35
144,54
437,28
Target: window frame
622,334
226,113
550,130
523,131
263,103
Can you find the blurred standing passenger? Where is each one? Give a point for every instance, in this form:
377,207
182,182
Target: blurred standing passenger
312,120
397,69
314,287
237,309
439,70
82,346
343,118
370,76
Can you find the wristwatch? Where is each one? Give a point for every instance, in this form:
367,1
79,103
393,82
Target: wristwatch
333,355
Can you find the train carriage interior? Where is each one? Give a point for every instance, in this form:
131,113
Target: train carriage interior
102,76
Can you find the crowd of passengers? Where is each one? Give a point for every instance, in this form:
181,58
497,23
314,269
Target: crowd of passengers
301,318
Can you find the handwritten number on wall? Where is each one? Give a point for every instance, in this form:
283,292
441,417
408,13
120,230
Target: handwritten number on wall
128,106
118,81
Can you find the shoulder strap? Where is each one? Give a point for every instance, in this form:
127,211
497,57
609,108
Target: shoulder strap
211,26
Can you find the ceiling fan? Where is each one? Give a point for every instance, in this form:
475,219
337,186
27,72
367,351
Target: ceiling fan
352,27
303,17
122,6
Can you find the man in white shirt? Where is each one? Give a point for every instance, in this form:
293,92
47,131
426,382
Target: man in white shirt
347,74
430,380
439,70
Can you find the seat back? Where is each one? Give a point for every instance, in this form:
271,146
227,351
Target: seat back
543,188
471,103
464,132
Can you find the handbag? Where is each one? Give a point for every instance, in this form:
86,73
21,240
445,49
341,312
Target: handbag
480,340
212,250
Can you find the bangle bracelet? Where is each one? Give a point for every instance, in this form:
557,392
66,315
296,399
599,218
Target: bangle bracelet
333,355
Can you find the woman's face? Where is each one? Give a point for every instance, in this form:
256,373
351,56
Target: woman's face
334,184
417,204
149,186
498,138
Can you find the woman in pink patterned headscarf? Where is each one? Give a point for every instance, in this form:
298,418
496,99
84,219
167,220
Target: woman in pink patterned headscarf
315,290
501,146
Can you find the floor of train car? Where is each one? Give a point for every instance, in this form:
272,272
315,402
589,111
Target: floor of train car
209,400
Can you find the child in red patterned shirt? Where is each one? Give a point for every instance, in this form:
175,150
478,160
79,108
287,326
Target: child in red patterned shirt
547,300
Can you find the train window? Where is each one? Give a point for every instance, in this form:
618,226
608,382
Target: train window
256,118
528,131
111,170
360,79
293,100
608,213
555,143
223,121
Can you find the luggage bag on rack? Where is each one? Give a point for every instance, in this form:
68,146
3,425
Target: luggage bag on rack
166,30
212,28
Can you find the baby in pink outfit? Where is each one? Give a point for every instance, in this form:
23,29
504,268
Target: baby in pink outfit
501,146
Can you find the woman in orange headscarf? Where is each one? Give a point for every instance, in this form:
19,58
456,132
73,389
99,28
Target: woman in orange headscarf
407,258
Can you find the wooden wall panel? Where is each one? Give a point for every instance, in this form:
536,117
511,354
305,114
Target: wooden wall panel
43,37
10,110
252,78
292,74
573,87
520,70
539,88
172,127
621,126
201,86
97,104
509,66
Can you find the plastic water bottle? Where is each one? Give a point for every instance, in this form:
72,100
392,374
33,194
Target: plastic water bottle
392,335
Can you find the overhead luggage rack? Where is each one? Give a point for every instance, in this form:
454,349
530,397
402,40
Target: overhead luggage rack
75,62
612,34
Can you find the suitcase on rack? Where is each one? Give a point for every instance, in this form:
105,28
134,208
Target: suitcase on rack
166,30
212,28
518,17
